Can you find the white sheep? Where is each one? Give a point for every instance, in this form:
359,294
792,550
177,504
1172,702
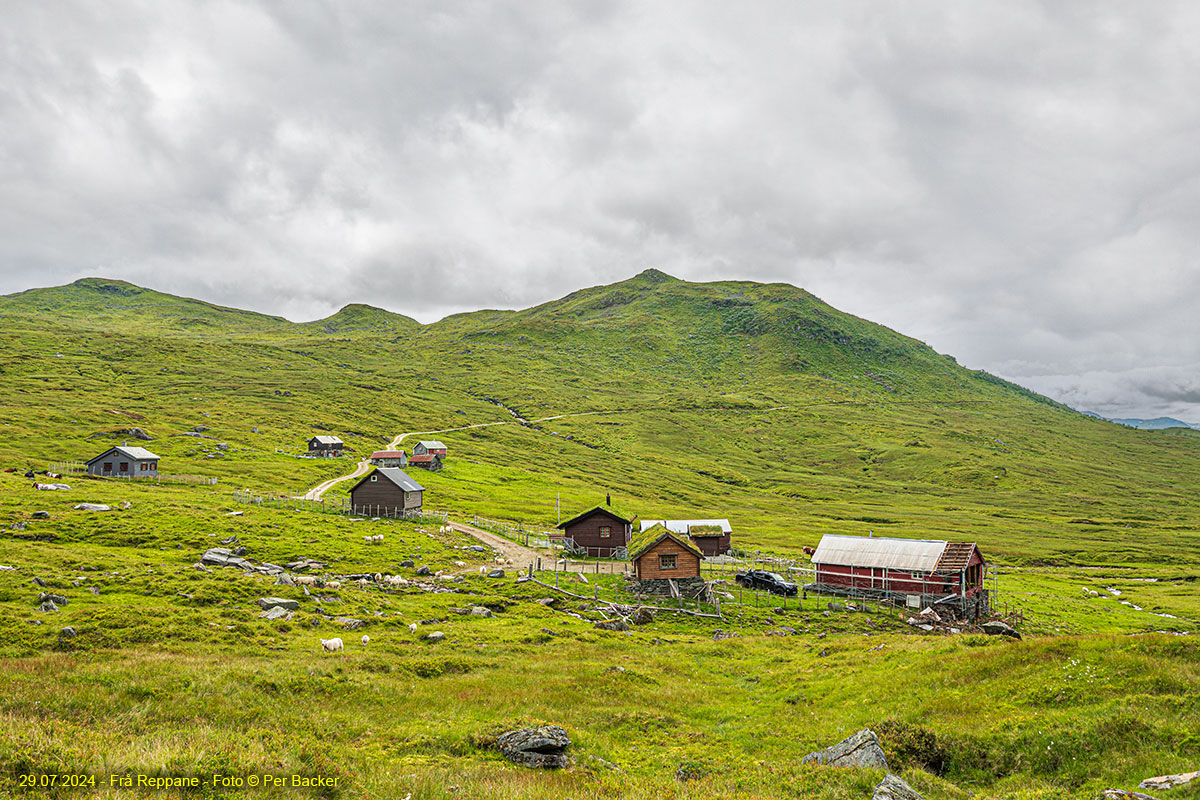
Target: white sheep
377,538
333,584
333,645
367,539
304,580
412,628
366,640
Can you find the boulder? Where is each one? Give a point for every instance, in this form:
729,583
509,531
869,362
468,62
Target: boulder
48,606
480,611
998,628
40,515
283,579
350,623
276,612
613,625
424,570
496,573
893,788
407,563
57,599
860,750
201,567
278,602
92,507
436,636
1121,794
68,633
478,548
641,616
1170,781
39,581
543,748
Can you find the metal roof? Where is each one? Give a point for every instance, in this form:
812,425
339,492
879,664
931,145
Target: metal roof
916,555
432,444
134,453
427,458
400,478
327,439
387,454
681,526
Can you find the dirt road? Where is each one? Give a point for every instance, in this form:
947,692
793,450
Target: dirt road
521,556
316,492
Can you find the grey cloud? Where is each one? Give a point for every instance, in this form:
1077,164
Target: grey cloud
1013,182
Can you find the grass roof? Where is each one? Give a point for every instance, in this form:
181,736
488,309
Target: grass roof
641,542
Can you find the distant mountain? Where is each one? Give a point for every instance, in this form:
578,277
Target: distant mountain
1156,424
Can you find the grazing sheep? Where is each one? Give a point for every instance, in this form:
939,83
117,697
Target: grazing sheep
412,628
304,580
333,645
378,577
363,582
333,584
377,538
366,640
367,539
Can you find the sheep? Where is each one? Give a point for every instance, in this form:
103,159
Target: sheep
367,539
332,645
412,628
377,539
333,584
363,582
366,640
304,580
378,577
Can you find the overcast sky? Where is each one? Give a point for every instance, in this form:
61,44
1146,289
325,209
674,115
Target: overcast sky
1015,183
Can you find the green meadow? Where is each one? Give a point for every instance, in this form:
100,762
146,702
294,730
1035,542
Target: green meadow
758,403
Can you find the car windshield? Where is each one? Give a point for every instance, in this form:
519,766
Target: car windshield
776,576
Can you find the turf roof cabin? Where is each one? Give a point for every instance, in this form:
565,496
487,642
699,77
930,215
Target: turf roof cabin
124,462
386,492
666,563
712,537
600,531
389,458
325,446
912,572
427,447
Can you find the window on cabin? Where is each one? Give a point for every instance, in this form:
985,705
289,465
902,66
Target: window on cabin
154,465
145,466
124,466
667,561
605,531
108,466
374,477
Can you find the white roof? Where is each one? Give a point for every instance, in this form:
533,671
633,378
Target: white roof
400,478
432,444
681,526
328,439
134,453
916,555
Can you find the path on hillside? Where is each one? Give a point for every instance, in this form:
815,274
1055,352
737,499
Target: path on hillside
521,556
363,466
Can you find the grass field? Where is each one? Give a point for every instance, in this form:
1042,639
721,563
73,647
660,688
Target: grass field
756,403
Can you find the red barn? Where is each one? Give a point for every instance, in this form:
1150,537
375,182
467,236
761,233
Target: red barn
913,572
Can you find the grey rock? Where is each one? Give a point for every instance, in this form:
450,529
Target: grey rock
1121,794
92,507
94,589
407,563
278,602
893,788
837,607
496,573
547,601
276,612
641,616
424,570
998,628
18,526
542,748
1170,781
478,548
283,579
48,606
612,625
57,599
436,636
39,582
68,633
40,515
860,750
200,567
480,611
350,623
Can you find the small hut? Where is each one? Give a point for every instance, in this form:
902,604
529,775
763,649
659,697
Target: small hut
600,531
713,537
330,446
666,563
124,461
386,491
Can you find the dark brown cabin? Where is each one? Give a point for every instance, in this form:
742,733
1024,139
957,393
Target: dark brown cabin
325,446
386,491
601,530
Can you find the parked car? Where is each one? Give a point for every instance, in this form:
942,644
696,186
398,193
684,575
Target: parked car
772,582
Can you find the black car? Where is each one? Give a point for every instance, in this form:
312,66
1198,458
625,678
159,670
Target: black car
772,582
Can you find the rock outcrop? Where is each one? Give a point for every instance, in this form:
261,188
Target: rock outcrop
544,747
860,750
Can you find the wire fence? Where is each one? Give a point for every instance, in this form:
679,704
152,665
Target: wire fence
521,534
341,507
79,468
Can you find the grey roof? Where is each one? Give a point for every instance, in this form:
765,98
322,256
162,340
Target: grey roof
681,526
132,453
327,439
400,478
916,555
433,444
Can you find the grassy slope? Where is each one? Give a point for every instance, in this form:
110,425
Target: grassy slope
758,403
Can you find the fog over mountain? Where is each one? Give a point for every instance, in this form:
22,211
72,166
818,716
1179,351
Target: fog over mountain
1013,182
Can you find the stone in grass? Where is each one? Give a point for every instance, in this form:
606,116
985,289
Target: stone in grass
893,788
68,633
436,636
424,570
350,623
40,515
276,612
1170,781
480,611
48,606
92,507
860,750
407,563
283,579
543,748
1121,794
613,625
998,628
496,573
278,602
57,599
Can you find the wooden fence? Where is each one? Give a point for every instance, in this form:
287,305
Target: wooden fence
300,503
515,531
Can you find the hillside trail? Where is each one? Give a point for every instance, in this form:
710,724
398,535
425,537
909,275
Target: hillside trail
521,556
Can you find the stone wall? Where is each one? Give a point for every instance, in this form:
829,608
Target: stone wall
691,588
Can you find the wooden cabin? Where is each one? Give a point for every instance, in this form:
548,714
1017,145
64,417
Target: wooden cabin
912,572
124,462
325,446
712,537
429,461
386,491
659,554
429,447
389,458
600,530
